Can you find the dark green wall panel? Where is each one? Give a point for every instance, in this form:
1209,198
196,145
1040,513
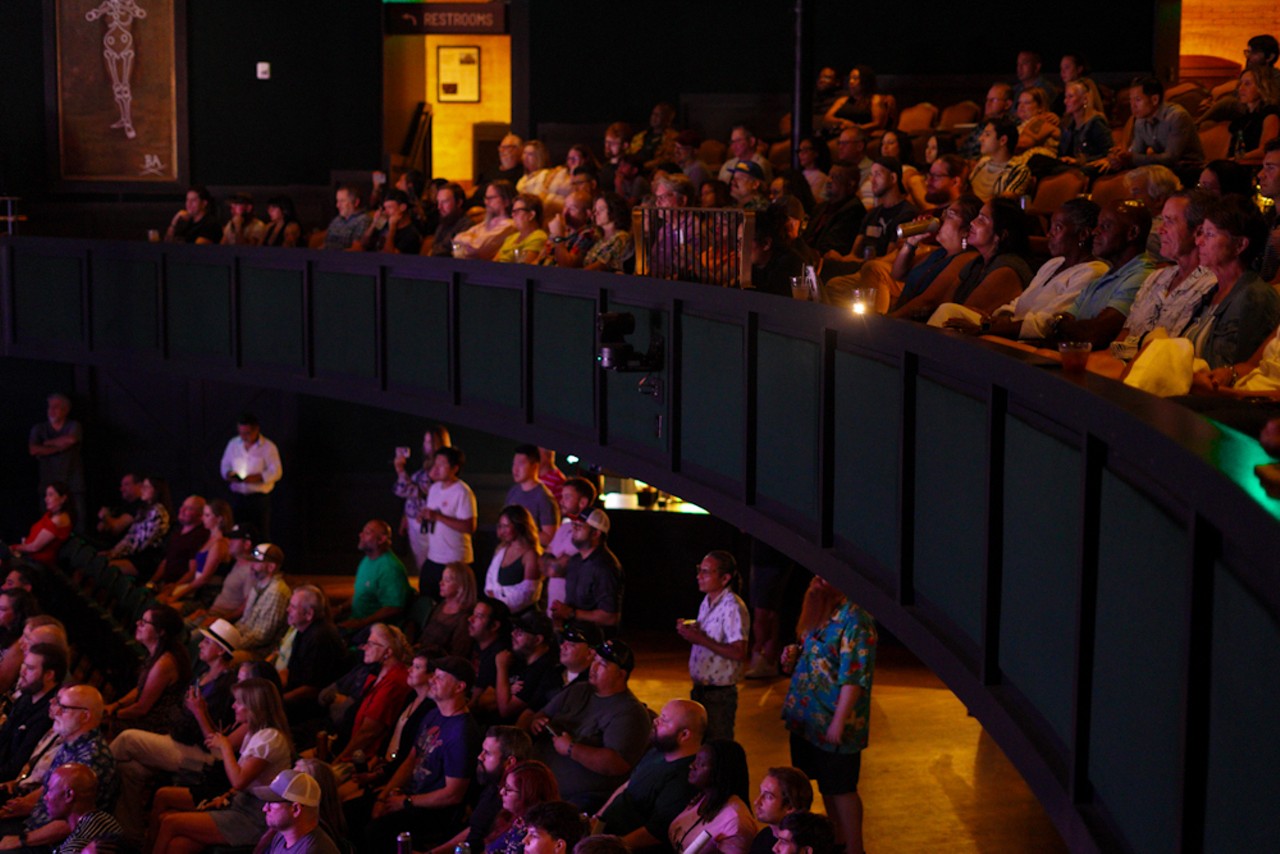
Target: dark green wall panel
1244,741
345,324
1041,558
867,456
271,320
633,416
713,396
46,299
418,333
1139,659
124,303
198,305
564,363
788,407
492,344
951,473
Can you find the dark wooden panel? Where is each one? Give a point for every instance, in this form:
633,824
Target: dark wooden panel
633,417
868,444
491,344
418,333
47,301
344,318
788,409
198,309
713,396
124,303
271,318
564,362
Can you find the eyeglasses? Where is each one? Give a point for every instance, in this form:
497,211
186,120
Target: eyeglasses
145,620
519,210
504,789
56,706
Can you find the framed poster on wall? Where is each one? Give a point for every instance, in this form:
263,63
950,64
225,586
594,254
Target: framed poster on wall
458,74
115,85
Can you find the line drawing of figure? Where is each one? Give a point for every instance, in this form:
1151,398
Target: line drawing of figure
117,50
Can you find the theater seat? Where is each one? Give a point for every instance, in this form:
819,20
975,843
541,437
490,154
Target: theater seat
963,113
918,118
1216,141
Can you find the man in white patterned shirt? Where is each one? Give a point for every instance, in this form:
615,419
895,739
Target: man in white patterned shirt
719,637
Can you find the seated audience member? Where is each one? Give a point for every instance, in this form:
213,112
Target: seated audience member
16,606
42,542
384,762
774,261
1269,186
1053,288
349,226
483,239
529,236
593,577
449,517
1243,309
139,548
686,157
1152,185
936,146
72,796
629,180
282,226
571,233
555,827
184,543
215,519
617,138
445,632
528,674
1163,132
510,169
292,807
998,106
641,810
1030,77
235,818
197,222
1259,119
311,654
243,229
383,693
140,754
1086,137
997,172
44,629
742,146
381,591
880,228
615,248
1037,127
592,734
263,621
656,143
115,519
578,161
578,642
783,791
490,630
1245,395
715,194
826,90
747,186
863,106
155,702
392,229
719,638
926,281
451,205
1171,295
804,832
230,600
720,809
18,578
77,712
526,785
897,145
539,174
44,666
513,576
815,163
332,818
503,748
1099,312
1074,68
426,795
1226,178
837,221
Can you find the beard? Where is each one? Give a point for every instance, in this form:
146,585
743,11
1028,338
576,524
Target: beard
664,743
484,777
937,197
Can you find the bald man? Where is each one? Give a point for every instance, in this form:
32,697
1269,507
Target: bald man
44,629
382,584
76,712
641,809
71,795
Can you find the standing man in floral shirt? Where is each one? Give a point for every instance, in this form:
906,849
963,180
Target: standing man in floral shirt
719,638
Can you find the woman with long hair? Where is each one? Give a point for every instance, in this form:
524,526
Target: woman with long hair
51,530
384,691
524,785
828,705
155,703
719,813
445,632
526,213
235,818
1259,121
615,247
925,279
216,519
897,145
141,548
1085,135
514,577
539,174
862,107
283,228
1037,126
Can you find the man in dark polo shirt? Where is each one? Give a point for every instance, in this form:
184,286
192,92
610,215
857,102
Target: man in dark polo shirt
311,655
528,674
185,540
42,671
593,577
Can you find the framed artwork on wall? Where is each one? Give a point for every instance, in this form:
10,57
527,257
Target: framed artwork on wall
458,74
115,90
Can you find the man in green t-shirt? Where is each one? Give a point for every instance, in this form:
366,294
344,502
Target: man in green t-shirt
382,586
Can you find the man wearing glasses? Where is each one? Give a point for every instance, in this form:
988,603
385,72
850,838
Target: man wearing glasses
483,240
76,713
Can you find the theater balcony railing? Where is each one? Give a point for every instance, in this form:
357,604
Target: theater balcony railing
1090,569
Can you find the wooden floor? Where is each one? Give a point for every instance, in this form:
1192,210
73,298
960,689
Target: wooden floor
932,779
